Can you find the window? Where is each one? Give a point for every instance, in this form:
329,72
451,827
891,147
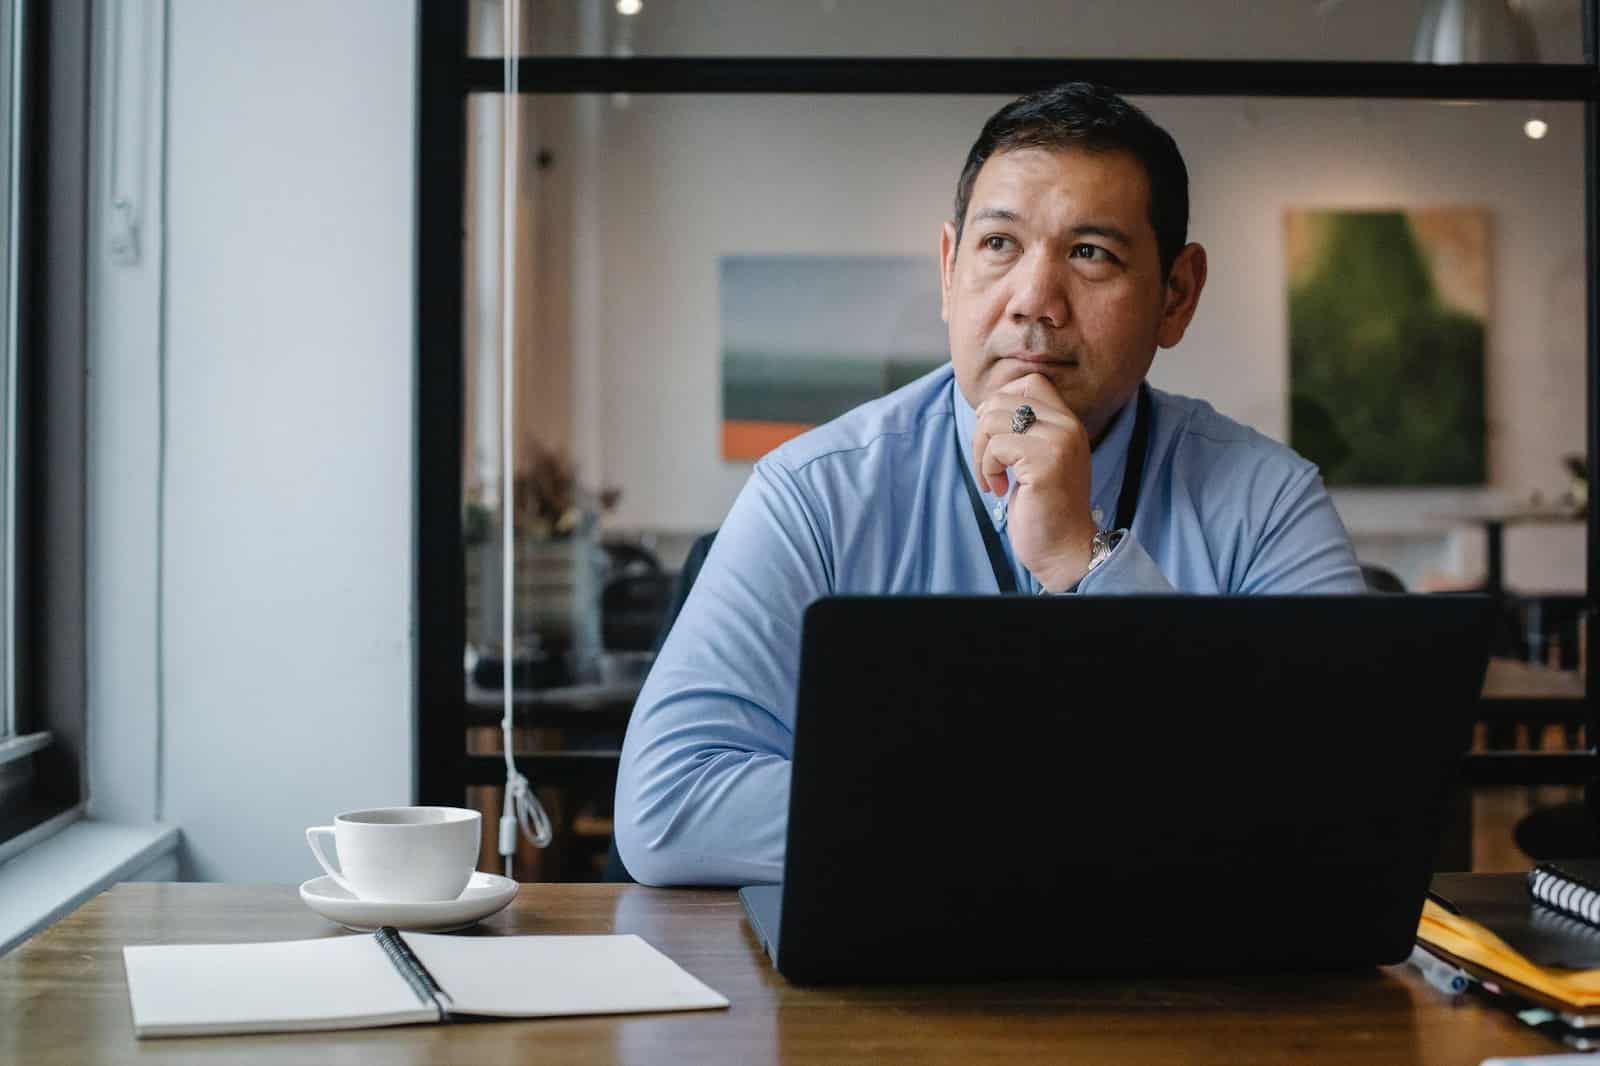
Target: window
18,741
43,128
10,131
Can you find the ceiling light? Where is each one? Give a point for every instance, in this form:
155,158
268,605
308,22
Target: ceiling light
629,7
1536,128
1473,31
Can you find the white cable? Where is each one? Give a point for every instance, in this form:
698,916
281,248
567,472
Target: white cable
522,809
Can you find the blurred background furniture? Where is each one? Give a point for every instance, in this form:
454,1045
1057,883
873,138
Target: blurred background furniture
1535,693
1381,579
570,715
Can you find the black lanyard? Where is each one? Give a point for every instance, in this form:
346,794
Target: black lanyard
1127,499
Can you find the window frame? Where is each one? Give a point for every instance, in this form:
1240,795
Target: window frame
13,14
42,768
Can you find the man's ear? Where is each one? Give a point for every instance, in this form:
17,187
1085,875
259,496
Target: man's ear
947,266
1182,295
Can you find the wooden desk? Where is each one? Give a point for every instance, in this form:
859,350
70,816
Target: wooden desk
64,999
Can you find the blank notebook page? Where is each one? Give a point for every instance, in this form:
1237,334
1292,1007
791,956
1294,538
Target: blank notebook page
533,976
328,983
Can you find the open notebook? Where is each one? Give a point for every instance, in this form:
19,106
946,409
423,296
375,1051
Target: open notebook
393,978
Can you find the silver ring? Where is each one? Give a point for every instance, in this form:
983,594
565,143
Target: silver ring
1022,418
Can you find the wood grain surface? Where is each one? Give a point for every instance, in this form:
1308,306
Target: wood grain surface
64,1000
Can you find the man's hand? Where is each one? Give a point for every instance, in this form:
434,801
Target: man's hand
1051,524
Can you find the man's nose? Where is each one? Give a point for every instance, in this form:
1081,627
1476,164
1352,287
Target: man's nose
1040,292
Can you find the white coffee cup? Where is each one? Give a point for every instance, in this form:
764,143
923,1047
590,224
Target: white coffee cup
401,854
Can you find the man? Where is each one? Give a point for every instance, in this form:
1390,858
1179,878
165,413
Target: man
1064,268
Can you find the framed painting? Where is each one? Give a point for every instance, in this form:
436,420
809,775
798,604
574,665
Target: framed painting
805,338
1388,312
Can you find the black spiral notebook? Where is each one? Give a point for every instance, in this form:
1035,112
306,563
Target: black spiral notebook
1570,886
396,978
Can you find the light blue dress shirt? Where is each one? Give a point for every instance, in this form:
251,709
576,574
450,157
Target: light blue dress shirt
874,503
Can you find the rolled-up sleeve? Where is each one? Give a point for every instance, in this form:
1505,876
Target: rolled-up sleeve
703,787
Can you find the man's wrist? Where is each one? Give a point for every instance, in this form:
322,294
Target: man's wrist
1101,545
1071,570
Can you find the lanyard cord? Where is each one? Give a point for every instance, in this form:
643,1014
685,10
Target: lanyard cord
521,809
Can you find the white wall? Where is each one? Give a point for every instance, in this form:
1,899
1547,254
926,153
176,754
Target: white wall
123,426
287,587
688,180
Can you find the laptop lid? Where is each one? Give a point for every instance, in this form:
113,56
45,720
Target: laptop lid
763,904
1053,786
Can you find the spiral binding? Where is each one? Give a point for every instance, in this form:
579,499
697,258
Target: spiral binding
411,968
1575,931
1564,891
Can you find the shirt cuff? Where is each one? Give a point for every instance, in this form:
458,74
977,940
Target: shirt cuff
1127,570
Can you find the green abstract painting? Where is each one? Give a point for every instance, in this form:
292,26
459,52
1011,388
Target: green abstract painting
1387,317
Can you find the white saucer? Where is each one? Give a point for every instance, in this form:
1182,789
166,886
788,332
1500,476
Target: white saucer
484,895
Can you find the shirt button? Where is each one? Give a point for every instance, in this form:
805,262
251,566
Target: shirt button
1000,512
1099,516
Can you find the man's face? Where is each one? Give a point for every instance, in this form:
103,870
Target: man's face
1057,273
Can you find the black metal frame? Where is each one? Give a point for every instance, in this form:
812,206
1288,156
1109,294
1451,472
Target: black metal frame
447,77
47,632
920,77
52,423
440,574
32,224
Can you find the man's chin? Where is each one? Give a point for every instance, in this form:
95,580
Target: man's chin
1066,377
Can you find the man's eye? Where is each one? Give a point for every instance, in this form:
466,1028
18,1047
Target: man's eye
996,243
1093,252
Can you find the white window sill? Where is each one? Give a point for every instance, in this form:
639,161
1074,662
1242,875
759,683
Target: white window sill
54,876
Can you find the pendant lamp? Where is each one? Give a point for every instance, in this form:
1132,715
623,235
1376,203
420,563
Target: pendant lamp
1473,31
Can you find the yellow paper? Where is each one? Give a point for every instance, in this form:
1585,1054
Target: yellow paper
1466,939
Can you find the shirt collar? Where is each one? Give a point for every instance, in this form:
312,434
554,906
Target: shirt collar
1105,462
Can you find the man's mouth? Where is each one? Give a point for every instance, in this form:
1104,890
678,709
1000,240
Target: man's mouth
1041,359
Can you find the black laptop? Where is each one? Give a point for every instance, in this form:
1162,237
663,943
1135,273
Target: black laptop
998,787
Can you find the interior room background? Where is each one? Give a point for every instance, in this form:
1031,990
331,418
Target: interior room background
631,203
633,208
251,460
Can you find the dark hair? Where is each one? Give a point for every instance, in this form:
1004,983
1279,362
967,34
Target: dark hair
1083,115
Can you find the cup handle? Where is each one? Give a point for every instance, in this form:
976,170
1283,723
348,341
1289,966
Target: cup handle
314,837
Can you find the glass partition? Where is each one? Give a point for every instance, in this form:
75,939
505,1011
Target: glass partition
700,276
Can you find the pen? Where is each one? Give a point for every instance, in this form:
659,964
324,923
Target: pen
1443,902
1573,1030
1440,974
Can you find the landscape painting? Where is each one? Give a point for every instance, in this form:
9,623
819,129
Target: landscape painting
805,338
1388,311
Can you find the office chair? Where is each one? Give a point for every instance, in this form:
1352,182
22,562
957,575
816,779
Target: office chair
625,558
615,870
632,606
682,583
1381,579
